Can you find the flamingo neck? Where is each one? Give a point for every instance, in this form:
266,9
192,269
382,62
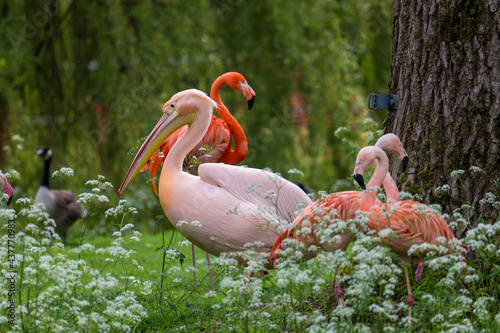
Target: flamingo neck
195,132
240,140
391,189
381,163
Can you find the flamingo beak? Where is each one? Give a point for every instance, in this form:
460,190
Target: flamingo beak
404,163
167,125
250,102
248,93
359,179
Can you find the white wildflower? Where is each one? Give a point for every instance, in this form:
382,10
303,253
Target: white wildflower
196,223
126,227
457,173
68,172
475,169
295,171
184,243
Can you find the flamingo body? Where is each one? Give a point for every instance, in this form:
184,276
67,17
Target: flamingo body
412,222
341,205
7,189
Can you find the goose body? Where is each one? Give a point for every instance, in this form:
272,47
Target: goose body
61,205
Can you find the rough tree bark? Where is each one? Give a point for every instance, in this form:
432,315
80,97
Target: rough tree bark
445,70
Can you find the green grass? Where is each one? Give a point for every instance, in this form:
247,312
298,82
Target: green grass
114,283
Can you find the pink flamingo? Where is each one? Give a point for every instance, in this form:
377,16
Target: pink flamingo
235,206
341,205
7,189
219,137
412,222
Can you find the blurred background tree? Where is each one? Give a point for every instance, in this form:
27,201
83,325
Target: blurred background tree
89,80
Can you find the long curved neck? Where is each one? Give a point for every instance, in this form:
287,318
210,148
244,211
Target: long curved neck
195,132
240,140
381,167
390,187
45,176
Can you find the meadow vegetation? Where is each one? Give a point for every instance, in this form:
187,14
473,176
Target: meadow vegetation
110,279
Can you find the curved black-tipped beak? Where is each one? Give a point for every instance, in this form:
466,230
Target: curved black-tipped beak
9,200
404,163
359,179
250,102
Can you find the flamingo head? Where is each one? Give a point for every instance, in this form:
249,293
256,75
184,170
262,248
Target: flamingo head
236,81
366,157
182,109
7,189
392,144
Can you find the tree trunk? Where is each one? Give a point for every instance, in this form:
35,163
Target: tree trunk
445,70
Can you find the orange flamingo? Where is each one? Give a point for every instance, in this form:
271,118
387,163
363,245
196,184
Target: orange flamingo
411,222
219,135
341,205
235,206
7,189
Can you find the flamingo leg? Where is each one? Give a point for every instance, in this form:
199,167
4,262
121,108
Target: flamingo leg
418,272
194,265
210,272
336,288
410,296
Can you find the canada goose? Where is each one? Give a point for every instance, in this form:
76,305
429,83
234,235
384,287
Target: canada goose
61,205
7,189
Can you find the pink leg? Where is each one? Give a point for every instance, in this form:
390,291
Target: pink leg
210,272
418,273
336,288
410,296
194,265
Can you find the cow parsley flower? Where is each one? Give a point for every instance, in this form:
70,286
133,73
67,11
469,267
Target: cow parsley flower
457,173
64,171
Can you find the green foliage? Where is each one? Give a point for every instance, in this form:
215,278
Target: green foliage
89,80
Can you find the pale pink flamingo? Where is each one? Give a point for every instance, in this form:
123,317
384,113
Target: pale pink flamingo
7,189
341,205
219,136
235,206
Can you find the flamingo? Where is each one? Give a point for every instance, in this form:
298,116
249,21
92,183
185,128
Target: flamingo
412,222
219,137
235,206
340,205
219,134
7,189
61,205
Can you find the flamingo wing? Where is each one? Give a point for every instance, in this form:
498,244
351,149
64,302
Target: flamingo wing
330,209
259,187
412,223
218,137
